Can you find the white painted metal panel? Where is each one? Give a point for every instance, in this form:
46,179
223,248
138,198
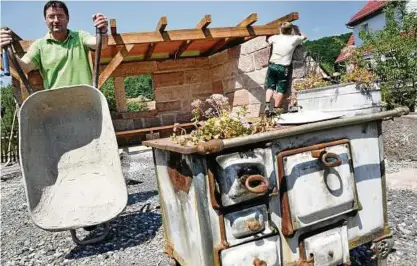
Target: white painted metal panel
267,250
247,224
329,248
316,192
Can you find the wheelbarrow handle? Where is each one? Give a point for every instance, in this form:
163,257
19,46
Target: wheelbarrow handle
6,66
99,38
16,64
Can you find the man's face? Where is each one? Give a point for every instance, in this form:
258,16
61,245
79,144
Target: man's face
56,19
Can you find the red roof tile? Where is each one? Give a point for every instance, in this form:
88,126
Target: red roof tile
370,7
344,54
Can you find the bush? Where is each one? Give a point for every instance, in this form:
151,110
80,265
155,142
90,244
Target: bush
9,105
136,106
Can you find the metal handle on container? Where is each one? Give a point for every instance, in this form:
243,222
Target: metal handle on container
323,155
258,262
255,183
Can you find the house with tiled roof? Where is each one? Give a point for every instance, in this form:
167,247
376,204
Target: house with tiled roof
370,17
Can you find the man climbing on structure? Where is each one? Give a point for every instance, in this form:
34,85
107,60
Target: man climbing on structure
279,70
61,56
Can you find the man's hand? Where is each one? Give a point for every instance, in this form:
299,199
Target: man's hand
100,22
5,38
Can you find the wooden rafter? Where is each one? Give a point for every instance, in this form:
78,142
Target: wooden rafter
184,35
114,63
202,25
162,24
251,19
113,27
288,18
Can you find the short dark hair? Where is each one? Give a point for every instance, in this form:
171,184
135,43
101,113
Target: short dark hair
56,4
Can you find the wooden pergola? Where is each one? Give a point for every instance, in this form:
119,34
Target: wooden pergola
163,44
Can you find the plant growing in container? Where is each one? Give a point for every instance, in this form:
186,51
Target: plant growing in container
214,118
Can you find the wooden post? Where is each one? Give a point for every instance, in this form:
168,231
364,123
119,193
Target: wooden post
120,94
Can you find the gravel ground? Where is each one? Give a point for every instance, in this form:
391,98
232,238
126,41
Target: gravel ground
136,236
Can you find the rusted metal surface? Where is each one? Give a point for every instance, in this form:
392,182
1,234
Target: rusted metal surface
211,146
232,173
179,172
353,243
258,262
255,183
212,188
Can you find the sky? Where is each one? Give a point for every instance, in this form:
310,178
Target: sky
317,18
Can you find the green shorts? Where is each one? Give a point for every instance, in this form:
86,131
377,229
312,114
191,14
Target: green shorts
278,77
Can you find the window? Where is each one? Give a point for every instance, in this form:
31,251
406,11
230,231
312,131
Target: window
365,27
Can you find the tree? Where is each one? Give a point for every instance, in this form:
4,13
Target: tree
139,85
325,50
393,53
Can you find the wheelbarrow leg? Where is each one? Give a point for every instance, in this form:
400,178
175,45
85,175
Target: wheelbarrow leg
97,239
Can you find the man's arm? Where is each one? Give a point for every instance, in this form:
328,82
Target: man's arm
26,61
100,22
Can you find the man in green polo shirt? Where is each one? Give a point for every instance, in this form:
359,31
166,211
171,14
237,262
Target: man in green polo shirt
61,55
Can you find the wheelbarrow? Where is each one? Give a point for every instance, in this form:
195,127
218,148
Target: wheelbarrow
69,158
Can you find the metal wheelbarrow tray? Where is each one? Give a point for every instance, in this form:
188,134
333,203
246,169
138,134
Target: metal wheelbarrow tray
70,162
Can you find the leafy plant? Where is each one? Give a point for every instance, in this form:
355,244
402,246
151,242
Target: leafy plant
393,53
108,90
9,105
136,106
313,80
221,123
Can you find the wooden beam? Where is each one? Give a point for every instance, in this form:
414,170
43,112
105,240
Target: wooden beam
120,94
113,27
184,35
114,63
287,18
252,18
162,24
248,21
204,22
202,25
149,51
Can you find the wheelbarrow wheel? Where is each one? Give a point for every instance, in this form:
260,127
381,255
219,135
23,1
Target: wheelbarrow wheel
101,237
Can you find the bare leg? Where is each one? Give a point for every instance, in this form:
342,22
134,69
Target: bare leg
278,97
268,95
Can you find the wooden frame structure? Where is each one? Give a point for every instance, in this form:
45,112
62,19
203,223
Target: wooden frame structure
163,44
136,53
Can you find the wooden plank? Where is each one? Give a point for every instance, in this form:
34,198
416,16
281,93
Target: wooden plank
252,18
184,35
204,22
114,63
287,18
120,94
149,51
113,27
143,130
162,24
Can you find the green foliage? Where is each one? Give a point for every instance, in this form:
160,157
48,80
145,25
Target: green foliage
221,123
135,86
139,85
108,90
136,106
7,101
394,52
325,50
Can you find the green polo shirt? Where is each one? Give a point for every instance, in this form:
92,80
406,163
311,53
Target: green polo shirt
62,63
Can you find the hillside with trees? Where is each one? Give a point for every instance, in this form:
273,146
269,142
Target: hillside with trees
325,50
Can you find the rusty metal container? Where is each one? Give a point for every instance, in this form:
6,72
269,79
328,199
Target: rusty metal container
294,196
